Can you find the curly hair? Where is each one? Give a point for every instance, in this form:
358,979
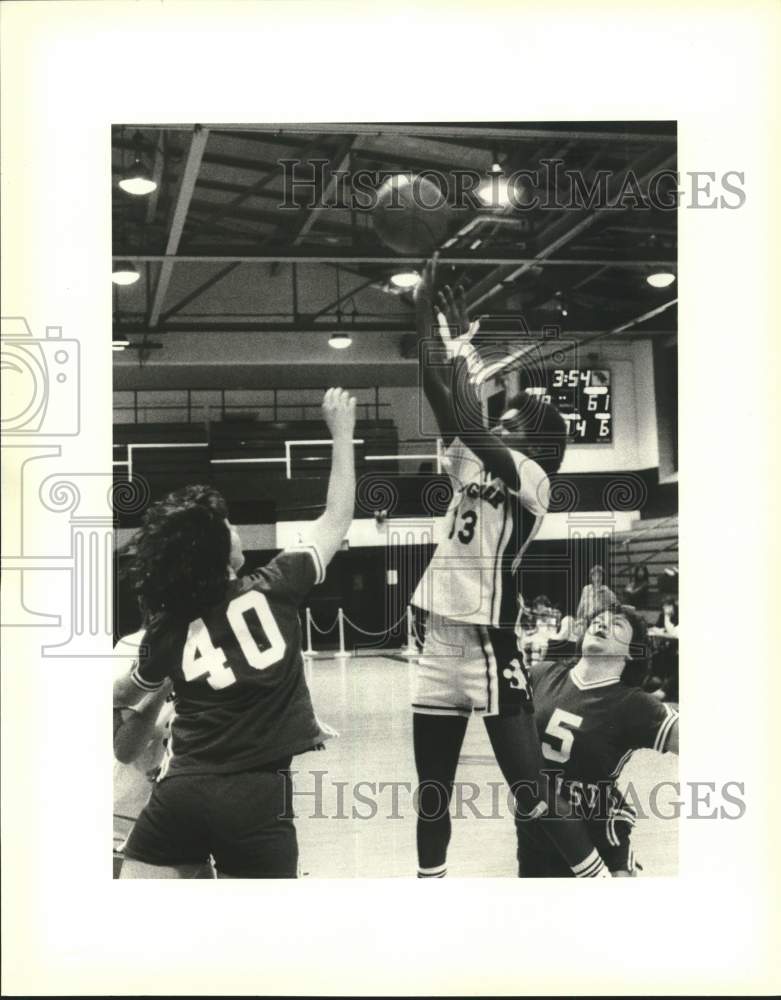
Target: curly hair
182,550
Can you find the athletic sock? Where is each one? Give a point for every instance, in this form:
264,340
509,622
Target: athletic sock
592,866
438,872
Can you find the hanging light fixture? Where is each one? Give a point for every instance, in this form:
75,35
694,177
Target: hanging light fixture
495,191
339,340
405,279
660,279
137,180
124,272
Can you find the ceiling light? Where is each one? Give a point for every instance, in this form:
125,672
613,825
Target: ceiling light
495,191
137,180
124,273
405,279
340,340
660,279
119,345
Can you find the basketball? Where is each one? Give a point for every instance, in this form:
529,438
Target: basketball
299,430
411,214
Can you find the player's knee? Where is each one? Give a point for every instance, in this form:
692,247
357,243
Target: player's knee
432,800
529,803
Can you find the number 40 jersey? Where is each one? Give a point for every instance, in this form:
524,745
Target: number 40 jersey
472,575
240,696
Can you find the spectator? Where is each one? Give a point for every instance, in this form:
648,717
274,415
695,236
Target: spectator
536,626
525,621
636,593
667,622
663,682
595,596
570,630
545,614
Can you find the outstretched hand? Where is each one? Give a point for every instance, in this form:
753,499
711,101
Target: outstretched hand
447,309
339,413
456,331
452,305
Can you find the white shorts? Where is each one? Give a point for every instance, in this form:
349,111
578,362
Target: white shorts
467,668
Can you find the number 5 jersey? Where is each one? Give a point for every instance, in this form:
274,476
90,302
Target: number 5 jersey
240,697
588,731
472,575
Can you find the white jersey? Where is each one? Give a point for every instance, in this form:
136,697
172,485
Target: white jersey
133,782
472,574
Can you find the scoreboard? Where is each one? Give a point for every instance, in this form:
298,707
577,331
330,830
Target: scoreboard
583,396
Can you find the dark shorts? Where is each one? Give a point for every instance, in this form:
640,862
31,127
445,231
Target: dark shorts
243,821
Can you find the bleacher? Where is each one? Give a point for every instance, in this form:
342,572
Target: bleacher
652,542
277,465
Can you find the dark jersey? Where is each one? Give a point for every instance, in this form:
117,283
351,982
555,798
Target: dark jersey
240,696
588,731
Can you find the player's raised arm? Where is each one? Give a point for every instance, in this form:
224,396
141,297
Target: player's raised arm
456,334
435,376
330,529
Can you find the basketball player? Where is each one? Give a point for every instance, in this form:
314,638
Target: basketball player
232,648
140,734
590,721
470,661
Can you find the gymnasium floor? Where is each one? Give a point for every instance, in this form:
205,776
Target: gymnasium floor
366,700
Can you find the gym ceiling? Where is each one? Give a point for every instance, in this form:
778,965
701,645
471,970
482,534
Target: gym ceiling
216,253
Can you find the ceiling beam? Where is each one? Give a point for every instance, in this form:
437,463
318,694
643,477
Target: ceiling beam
197,292
458,130
157,177
302,325
342,298
590,277
249,215
564,230
583,338
310,256
228,208
184,196
645,317
342,160
403,326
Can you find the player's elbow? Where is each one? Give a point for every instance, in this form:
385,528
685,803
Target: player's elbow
338,518
543,494
122,753
330,531
127,744
536,496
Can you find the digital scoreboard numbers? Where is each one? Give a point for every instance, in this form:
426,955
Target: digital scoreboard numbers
583,396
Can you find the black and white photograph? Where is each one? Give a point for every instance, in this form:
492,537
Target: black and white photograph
395,434
380,386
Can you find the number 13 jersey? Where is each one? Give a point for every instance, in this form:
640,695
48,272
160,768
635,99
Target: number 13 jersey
472,576
240,696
